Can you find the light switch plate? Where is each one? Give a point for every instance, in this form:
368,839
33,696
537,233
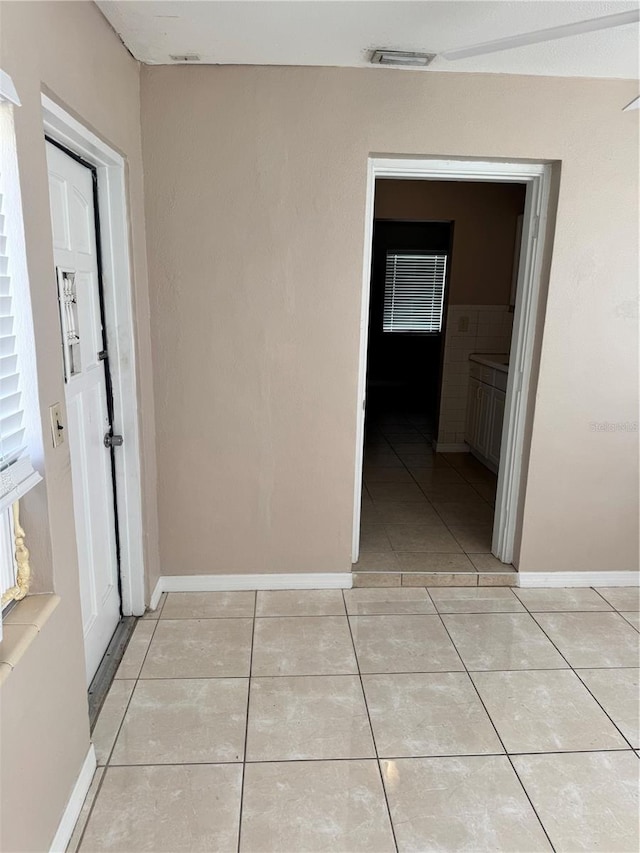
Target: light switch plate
57,427
463,324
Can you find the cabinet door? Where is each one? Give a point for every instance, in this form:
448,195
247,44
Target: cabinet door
484,418
471,428
495,426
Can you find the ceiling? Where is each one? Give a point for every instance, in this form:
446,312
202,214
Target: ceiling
336,33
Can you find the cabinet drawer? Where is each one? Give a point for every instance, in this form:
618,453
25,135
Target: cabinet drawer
475,370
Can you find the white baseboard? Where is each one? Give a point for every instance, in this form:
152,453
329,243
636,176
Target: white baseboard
214,583
74,806
559,579
440,447
155,595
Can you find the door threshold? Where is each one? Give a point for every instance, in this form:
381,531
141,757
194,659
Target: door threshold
108,667
509,577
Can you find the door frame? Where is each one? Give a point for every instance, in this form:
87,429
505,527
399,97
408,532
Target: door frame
119,319
537,178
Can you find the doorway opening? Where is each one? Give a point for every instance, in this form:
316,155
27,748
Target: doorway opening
450,298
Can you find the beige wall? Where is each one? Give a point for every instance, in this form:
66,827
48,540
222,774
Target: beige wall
68,50
256,183
484,233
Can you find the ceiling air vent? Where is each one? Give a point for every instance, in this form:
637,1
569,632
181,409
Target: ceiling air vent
184,57
402,58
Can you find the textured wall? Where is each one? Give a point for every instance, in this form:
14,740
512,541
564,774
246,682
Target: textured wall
255,188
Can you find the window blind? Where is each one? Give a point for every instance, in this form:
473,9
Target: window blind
17,474
414,292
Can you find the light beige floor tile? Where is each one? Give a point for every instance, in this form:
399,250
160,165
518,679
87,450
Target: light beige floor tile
632,619
586,801
430,579
448,493
545,711
315,806
622,597
375,579
170,809
111,715
468,804
486,490
308,717
421,561
376,561
508,578
475,600
78,829
403,512
371,602
300,602
403,492
426,714
209,605
592,639
303,645
375,462
388,475
369,516
618,691
489,563
136,650
431,477
403,644
502,641
475,511
435,538
374,539
541,600
184,721
473,539
155,614
199,648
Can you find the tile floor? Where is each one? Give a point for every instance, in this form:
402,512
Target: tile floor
409,719
426,518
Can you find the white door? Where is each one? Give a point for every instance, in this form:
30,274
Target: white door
76,260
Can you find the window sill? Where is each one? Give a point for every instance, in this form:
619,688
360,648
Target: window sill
20,628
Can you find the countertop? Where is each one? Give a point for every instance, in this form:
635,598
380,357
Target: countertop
499,361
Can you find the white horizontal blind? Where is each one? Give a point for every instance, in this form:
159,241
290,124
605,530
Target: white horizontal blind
17,474
414,292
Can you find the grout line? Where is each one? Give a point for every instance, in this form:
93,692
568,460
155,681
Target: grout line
383,672
431,504
246,725
373,759
373,736
573,669
107,763
499,737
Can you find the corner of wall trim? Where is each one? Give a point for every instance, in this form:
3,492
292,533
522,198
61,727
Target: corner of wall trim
575,579
221,583
76,801
155,595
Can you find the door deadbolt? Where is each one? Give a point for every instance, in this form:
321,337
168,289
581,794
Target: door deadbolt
113,440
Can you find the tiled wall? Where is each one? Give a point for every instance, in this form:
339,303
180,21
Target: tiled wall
489,331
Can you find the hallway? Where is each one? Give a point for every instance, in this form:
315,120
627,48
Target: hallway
427,518
372,720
